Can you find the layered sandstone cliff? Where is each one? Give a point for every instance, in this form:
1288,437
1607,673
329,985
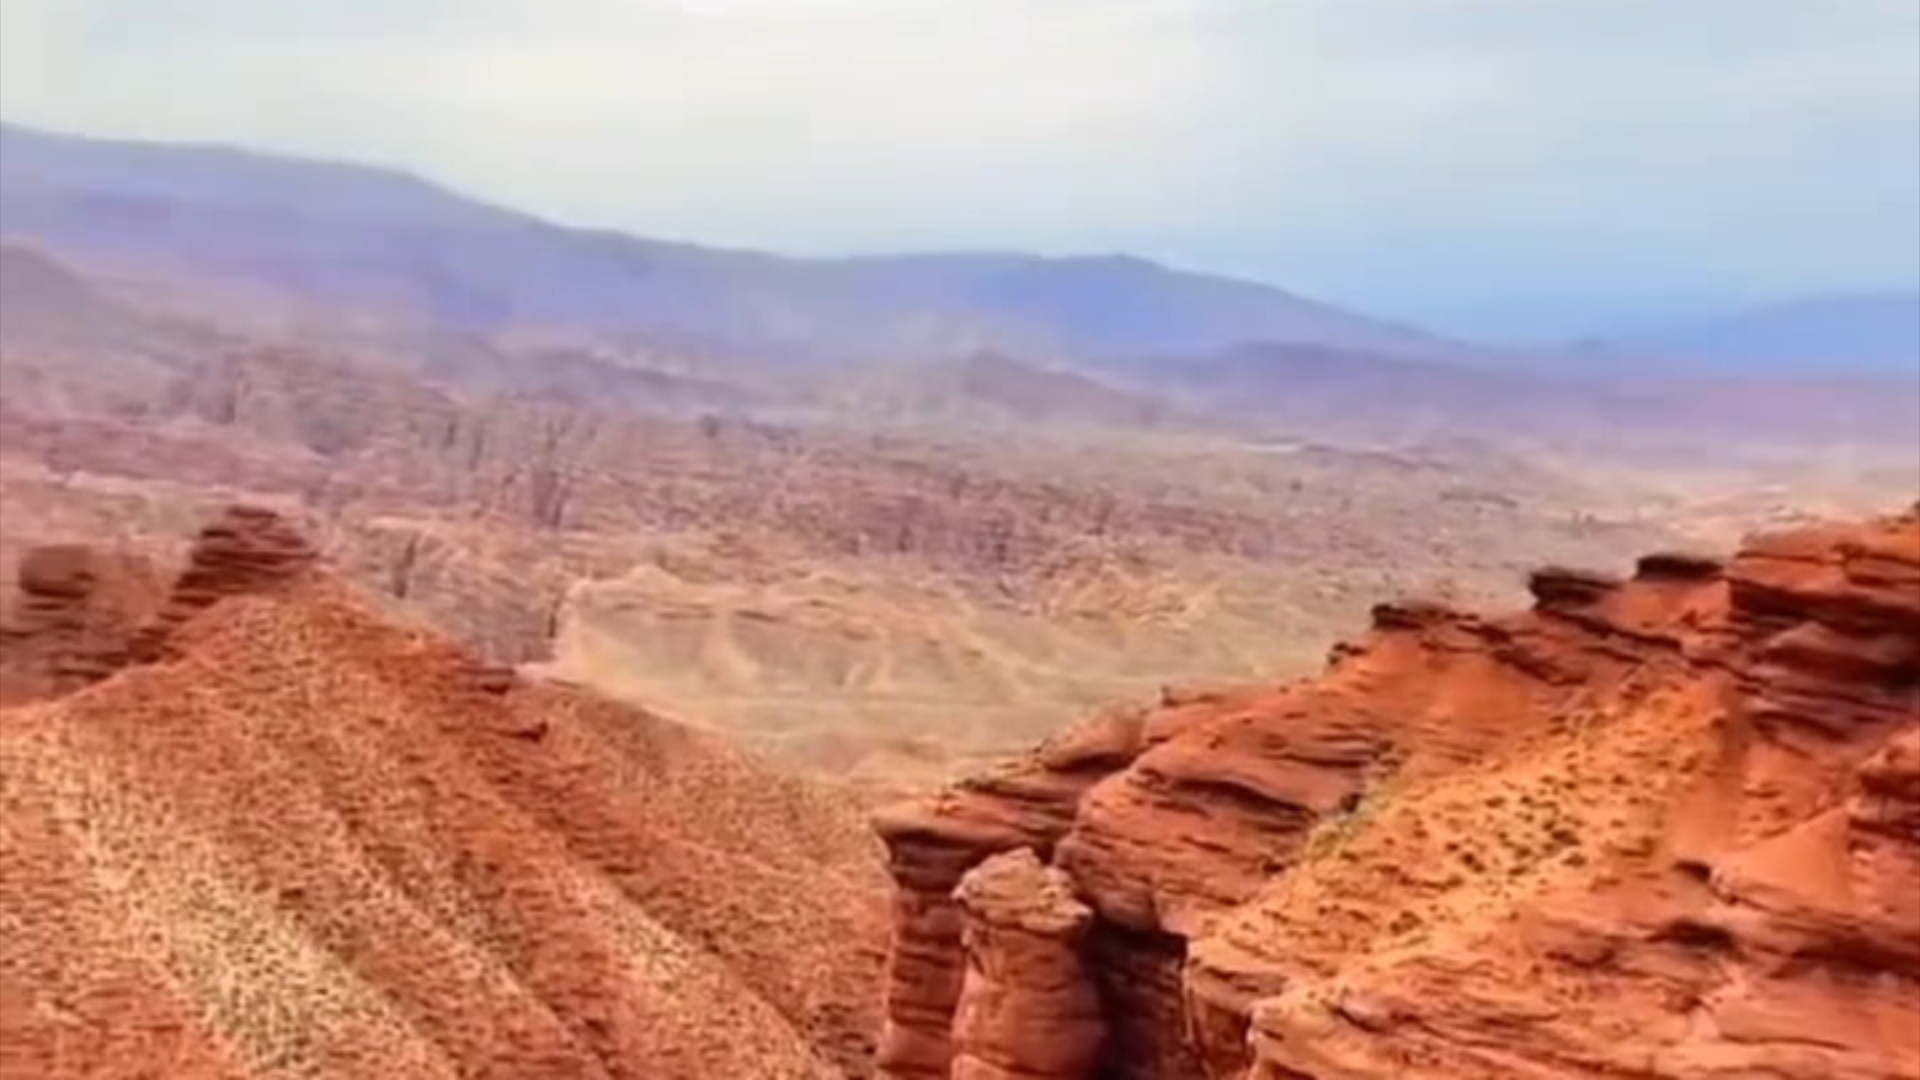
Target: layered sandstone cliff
1657,827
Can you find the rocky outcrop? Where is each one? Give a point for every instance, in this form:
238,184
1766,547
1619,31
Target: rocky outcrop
79,614
70,619
1028,1006
247,550
931,847
1660,827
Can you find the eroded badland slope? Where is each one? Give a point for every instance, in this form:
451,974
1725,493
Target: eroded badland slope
855,602
889,573
1663,827
288,837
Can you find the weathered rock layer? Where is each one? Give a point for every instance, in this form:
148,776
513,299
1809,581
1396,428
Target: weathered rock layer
1663,827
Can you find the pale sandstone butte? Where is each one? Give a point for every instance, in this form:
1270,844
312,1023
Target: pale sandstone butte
301,840
1660,827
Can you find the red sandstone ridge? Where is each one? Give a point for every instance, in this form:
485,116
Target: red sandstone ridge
299,840
1664,827
247,550
70,622
79,615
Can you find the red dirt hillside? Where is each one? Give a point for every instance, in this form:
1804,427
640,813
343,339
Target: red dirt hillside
304,841
1662,828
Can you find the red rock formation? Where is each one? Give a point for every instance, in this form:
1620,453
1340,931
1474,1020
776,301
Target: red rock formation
81,615
1029,804
1028,1007
70,621
247,550
1661,827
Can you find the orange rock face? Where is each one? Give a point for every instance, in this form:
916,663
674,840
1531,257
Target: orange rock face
1662,827
1028,804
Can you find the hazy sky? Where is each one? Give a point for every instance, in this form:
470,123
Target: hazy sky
1507,167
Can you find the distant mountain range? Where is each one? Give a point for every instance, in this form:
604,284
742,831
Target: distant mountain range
1856,331
331,233
335,235
380,264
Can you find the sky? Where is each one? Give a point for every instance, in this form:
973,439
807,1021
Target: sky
1516,170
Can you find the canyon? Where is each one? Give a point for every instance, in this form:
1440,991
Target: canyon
896,603
442,643
1663,825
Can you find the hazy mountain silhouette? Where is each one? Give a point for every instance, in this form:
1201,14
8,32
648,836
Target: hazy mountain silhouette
1839,332
339,233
